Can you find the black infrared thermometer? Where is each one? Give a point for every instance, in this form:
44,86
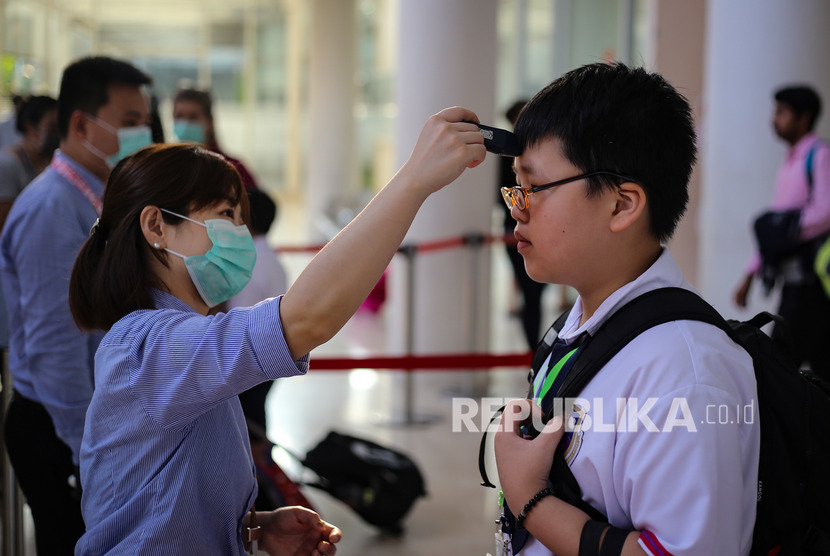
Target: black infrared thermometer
499,141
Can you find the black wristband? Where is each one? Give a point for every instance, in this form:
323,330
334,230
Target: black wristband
590,538
529,506
612,544
592,542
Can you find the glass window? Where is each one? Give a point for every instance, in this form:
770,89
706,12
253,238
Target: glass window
375,105
541,39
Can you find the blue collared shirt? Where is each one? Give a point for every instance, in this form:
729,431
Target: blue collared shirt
166,461
49,357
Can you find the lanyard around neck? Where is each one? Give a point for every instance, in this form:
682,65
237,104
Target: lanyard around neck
68,172
553,373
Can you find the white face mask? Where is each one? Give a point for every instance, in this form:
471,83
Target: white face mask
130,141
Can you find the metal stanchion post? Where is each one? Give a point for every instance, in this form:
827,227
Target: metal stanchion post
409,253
409,417
475,242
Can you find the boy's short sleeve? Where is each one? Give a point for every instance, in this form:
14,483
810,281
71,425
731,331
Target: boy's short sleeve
670,452
684,487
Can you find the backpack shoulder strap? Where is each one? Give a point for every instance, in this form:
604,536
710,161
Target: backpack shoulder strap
638,315
811,155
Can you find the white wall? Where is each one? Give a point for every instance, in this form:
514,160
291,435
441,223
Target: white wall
752,49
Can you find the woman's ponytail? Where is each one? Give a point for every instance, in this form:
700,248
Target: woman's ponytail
84,280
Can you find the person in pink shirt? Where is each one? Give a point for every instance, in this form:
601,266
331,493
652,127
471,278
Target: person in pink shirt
804,305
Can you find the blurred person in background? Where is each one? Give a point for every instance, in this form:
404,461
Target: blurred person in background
37,122
803,182
269,278
193,123
8,127
530,311
155,120
20,163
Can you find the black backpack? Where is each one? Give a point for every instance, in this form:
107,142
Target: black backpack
378,483
793,510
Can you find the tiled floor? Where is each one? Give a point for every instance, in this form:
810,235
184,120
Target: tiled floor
456,517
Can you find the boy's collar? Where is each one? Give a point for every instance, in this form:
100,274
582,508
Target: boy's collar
664,272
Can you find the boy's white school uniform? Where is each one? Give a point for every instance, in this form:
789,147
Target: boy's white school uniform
677,456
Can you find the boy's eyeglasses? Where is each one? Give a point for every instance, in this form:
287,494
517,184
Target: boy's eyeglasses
519,195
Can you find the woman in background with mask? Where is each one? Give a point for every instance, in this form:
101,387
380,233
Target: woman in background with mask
37,121
193,123
165,461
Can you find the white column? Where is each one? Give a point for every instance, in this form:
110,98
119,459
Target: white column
752,49
331,134
447,57
676,49
294,102
250,109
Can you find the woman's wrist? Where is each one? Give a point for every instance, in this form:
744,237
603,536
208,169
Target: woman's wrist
263,518
411,182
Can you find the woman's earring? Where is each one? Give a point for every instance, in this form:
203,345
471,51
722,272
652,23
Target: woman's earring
156,245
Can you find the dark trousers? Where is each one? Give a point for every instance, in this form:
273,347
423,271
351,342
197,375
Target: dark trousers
806,309
42,464
253,406
531,311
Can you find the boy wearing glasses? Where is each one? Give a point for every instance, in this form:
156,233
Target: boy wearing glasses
601,184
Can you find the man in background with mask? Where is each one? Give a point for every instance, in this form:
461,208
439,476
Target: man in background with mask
102,117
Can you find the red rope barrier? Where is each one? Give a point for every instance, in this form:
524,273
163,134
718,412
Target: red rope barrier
425,247
439,245
458,361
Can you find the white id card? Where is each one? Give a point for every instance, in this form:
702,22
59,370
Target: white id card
502,544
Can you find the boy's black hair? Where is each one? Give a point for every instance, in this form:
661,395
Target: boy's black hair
33,110
263,211
610,117
801,99
85,84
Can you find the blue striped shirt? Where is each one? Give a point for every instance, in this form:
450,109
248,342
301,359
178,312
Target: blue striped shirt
49,358
166,463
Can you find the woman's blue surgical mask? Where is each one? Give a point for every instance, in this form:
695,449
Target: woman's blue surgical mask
227,267
189,131
130,140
